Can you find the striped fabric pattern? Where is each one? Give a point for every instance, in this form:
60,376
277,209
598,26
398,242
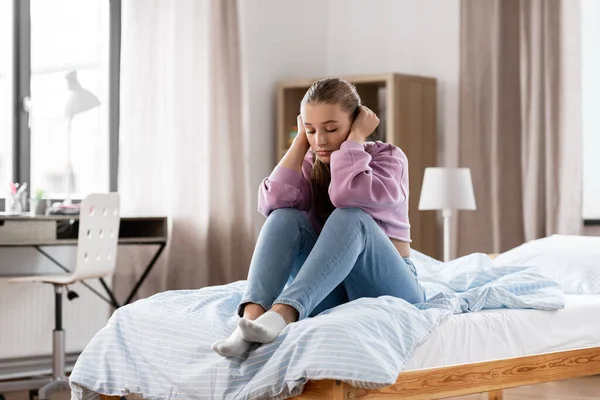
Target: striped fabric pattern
159,347
571,260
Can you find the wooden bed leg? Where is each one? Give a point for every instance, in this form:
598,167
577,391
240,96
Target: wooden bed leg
105,397
495,395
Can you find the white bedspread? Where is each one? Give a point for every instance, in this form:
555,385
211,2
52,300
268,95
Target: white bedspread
159,347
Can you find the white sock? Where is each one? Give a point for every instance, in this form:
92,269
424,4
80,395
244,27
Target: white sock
233,346
264,329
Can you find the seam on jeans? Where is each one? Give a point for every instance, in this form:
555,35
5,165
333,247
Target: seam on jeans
311,232
410,265
321,280
364,231
289,260
299,238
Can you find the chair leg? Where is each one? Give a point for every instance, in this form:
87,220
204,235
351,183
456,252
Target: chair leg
58,339
495,395
59,378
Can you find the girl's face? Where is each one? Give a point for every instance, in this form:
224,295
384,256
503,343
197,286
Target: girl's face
327,127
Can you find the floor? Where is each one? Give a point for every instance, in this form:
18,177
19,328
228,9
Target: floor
571,389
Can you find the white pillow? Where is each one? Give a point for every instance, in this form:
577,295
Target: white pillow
571,261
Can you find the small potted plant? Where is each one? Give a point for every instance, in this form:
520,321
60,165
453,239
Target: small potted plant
37,204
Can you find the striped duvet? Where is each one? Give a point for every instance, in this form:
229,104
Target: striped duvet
159,347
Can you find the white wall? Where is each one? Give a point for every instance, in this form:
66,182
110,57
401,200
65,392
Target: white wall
414,37
590,60
280,39
289,39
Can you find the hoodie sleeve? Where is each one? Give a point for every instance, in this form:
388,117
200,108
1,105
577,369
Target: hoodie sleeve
372,180
284,188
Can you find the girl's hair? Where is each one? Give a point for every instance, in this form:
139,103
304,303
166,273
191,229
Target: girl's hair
328,91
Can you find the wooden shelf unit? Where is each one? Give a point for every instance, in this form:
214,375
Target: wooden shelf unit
407,107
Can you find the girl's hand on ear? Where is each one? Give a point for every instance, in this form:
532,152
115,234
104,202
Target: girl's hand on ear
301,141
364,125
294,157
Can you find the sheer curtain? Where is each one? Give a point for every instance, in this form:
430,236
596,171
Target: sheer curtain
180,133
519,131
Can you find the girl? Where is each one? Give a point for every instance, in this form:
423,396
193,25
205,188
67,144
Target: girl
337,224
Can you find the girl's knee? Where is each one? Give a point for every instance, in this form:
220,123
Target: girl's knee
349,218
285,213
349,214
287,216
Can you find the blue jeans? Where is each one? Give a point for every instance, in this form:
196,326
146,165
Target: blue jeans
350,259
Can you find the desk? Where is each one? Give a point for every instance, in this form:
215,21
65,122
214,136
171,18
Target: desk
39,231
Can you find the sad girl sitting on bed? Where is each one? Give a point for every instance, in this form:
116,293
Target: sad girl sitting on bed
337,227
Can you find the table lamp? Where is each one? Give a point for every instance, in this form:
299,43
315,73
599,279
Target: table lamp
447,189
79,100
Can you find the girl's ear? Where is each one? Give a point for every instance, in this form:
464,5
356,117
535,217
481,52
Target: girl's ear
355,113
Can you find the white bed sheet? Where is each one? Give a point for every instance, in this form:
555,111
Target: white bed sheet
496,334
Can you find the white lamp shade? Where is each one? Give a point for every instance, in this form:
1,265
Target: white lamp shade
447,189
79,99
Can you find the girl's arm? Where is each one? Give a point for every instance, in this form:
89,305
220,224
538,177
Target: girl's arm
377,179
286,187
372,180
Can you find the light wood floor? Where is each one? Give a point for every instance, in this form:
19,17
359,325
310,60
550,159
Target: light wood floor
571,389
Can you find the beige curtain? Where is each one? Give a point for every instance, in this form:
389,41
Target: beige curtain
231,234
512,130
182,150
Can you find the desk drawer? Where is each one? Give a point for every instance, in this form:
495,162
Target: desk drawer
27,231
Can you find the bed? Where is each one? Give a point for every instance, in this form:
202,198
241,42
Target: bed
496,350
485,351
489,351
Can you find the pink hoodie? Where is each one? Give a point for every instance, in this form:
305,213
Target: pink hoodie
373,177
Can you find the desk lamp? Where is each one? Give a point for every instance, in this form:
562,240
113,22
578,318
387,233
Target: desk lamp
447,189
79,101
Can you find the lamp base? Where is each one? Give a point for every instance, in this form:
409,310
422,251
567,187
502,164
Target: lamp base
446,214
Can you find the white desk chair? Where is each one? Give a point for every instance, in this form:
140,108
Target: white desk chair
96,257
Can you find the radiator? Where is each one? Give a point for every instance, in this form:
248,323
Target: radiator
27,309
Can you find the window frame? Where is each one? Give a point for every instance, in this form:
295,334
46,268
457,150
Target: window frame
21,166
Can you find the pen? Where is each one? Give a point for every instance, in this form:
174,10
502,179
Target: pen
22,188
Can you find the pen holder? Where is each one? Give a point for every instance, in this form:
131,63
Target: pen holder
16,202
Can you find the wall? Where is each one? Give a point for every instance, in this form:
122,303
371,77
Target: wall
280,39
590,60
413,37
289,39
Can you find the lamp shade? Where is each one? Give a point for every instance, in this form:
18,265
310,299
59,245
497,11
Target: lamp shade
79,99
447,189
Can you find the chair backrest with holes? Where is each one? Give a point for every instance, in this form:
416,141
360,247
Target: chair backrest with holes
97,243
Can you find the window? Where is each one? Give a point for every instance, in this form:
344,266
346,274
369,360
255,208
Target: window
69,35
6,95
59,45
590,50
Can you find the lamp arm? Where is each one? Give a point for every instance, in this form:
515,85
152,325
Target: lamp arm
69,183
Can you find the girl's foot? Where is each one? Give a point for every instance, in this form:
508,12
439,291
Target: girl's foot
235,345
269,325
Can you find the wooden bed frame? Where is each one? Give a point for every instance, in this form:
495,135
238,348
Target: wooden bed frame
458,380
